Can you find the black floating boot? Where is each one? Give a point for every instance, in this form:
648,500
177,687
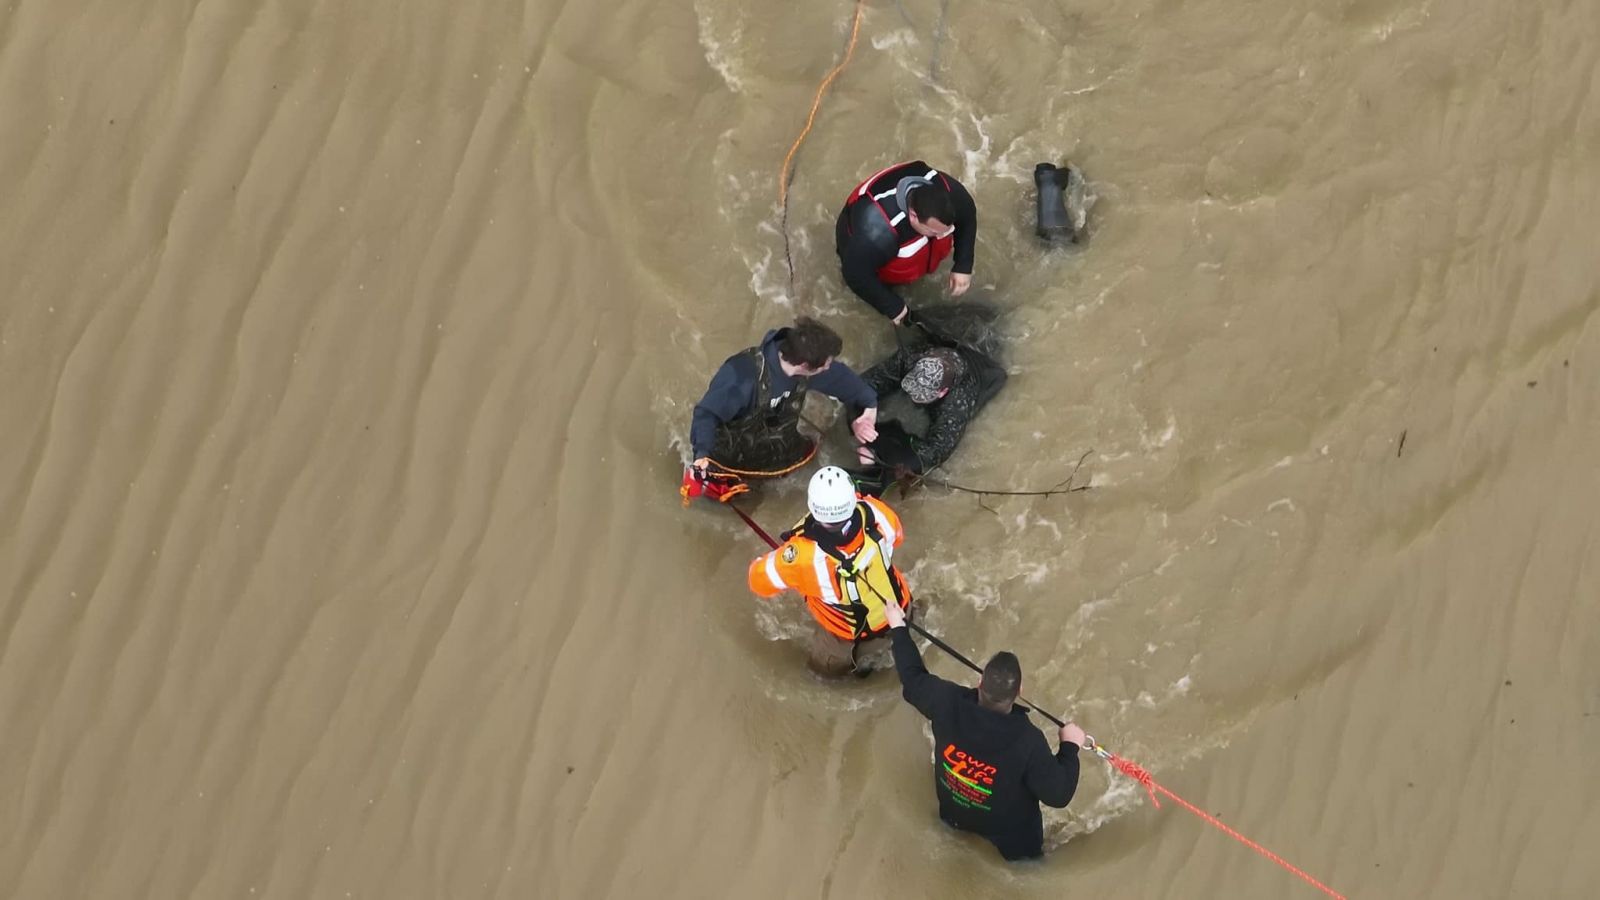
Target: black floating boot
1062,208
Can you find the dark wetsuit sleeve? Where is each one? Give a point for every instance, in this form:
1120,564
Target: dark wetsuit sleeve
860,262
729,396
929,693
884,377
948,424
966,223
1052,779
841,383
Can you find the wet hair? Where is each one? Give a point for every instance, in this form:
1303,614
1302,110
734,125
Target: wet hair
809,343
930,202
1002,680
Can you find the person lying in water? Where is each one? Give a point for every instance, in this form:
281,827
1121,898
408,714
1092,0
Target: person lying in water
950,382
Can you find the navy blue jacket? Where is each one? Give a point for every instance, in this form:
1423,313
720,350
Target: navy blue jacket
733,391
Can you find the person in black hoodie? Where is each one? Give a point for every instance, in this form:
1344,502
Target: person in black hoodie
992,767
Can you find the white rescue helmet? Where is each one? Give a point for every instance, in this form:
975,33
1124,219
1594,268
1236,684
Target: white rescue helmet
831,496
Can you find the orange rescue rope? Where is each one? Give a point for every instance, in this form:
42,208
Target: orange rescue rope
816,103
775,473
788,160
1152,787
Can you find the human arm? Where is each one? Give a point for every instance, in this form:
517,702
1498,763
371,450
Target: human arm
840,382
766,578
966,224
883,378
1054,779
947,425
929,693
865,426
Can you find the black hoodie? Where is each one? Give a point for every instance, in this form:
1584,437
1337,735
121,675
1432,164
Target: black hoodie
991,770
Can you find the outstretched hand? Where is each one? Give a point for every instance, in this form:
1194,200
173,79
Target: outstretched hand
895,615
865,426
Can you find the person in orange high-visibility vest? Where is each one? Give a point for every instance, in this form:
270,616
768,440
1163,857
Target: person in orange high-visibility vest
841,559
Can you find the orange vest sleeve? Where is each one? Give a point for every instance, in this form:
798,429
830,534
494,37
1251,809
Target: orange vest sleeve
764,577
791,567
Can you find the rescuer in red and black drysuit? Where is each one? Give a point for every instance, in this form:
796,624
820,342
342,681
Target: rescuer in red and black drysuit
898,226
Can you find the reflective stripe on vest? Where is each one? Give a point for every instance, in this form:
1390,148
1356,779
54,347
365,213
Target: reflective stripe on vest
916,254
819,561
887,529
862,190
772,572
864,578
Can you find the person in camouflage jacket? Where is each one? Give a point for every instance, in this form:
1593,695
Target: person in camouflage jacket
950,382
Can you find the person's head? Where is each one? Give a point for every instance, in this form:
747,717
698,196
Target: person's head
930,212
1001,682
931,376
809,347
831,497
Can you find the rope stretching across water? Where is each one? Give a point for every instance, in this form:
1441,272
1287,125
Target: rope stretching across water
1131,769
788,160
1152,787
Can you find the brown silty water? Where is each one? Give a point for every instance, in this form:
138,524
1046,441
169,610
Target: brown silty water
347,354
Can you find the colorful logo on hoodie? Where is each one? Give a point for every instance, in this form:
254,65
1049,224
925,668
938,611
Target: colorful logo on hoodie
970,780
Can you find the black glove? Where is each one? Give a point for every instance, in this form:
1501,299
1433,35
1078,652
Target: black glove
895,449
873,480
